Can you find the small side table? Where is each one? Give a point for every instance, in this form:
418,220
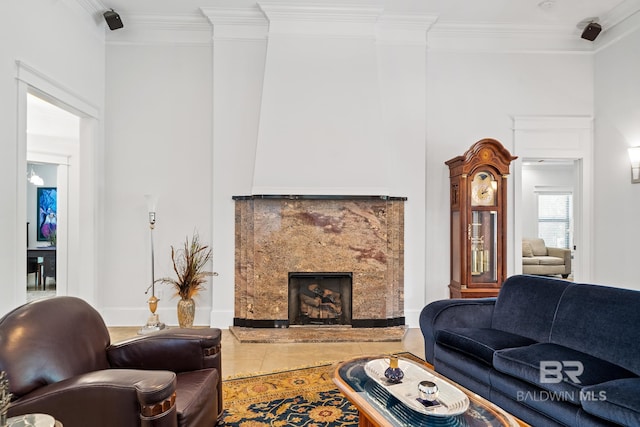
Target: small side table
33,420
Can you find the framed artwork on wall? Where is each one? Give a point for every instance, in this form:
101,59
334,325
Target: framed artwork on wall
47,214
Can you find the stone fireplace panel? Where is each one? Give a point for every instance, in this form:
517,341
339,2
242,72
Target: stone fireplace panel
276,235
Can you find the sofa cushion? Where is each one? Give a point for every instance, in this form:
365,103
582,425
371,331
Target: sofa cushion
538,247
601,321
480,343
526,306
617,401
531,261
550,260
527,250
525,362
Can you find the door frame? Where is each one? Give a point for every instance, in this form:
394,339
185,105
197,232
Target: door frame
77,253
566,138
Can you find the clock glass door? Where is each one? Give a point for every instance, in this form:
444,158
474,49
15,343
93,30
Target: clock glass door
482,233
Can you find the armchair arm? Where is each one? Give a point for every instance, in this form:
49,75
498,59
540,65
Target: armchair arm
106,398
561,253
177,350
453,313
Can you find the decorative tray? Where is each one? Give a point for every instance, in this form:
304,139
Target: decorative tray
450,402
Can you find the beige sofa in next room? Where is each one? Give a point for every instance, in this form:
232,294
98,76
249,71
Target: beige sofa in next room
541,260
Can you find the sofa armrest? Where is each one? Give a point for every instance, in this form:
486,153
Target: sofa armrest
111,397
453,313
561,253
177,350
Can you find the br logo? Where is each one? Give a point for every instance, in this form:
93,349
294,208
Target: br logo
554,371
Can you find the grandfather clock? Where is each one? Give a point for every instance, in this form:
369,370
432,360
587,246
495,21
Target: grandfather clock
478,207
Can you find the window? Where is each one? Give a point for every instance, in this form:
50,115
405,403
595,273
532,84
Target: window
554,219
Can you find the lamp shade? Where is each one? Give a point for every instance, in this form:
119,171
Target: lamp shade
634,157
152,202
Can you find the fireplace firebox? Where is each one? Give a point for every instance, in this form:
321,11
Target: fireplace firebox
320,298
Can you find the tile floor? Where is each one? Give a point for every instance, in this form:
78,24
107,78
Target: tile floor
247,358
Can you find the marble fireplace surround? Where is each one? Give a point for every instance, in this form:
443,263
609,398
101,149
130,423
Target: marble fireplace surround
277,235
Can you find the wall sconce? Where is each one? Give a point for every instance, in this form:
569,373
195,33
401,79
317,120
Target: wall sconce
634,157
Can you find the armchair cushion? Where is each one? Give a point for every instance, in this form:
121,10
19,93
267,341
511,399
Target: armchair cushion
538,247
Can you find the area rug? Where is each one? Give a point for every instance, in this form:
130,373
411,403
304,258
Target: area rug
298,397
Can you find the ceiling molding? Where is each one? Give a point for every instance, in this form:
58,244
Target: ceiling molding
618,24
162,29
619,13
404,29
489,37
341,19
92,6
237,23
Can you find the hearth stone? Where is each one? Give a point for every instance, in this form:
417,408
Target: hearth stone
276,235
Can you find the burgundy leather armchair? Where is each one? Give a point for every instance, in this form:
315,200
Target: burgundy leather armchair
59,361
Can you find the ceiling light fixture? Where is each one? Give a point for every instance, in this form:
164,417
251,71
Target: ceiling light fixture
546,4
34,178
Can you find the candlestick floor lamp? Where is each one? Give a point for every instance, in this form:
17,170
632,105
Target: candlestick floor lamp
153,324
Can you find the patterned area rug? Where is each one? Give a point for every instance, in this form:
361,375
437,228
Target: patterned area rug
300,397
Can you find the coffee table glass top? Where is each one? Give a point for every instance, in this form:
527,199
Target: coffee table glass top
480,413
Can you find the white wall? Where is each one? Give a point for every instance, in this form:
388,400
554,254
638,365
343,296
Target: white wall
475,95
617,127
157,141
535,176
64,43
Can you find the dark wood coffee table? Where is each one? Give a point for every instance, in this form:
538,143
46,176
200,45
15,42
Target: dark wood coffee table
385,410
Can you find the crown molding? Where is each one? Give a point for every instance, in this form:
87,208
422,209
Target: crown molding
619,23
404,29
92,7
162,29
620,13
237,23
505,38
329,18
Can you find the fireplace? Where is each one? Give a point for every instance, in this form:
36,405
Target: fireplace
320,298
285,238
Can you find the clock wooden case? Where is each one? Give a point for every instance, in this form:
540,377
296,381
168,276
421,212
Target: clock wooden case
478,215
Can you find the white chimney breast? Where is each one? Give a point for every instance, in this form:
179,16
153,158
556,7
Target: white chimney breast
320,128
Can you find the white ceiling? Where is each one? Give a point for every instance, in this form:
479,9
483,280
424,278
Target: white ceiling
569,14
44,118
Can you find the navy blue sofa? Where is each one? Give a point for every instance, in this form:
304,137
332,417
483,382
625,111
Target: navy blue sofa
549,351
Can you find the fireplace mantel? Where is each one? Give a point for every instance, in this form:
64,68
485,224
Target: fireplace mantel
280,234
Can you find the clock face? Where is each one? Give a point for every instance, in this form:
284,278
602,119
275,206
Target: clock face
483,189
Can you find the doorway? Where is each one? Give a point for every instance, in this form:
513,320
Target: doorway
76,159
566,144
548,187
52,139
